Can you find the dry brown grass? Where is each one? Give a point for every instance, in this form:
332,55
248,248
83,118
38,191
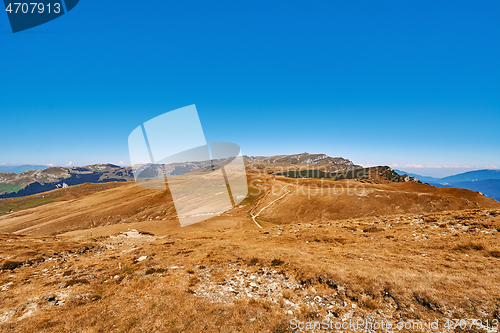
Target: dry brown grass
309,200
451,273
432,261
287,293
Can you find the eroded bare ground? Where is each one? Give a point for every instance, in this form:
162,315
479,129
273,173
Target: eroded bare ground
403,267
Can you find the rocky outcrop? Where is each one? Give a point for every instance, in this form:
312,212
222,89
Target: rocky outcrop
304,158
37,181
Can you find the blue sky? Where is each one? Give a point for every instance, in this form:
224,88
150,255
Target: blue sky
412,84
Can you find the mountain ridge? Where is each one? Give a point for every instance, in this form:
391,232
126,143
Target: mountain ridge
302,158
31,182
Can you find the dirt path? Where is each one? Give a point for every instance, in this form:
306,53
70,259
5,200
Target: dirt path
269,204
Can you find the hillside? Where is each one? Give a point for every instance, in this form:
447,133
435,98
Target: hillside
146,276
489,187
295,248
303,158
37,181
298,200
378,174
425,179
484,181
472,176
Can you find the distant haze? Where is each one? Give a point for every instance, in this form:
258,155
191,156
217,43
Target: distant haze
439,172
21,168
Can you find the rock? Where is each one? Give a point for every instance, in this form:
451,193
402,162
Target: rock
142,258
328,298
332,314
348,315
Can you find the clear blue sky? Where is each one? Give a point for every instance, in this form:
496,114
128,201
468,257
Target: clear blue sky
378,82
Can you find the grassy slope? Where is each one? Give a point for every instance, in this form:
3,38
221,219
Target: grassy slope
413,267
107,204
25,203
9,188
21,203
443,264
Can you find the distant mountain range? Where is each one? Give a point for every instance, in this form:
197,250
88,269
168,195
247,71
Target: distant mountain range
21,168
47,179
23,180
484,181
